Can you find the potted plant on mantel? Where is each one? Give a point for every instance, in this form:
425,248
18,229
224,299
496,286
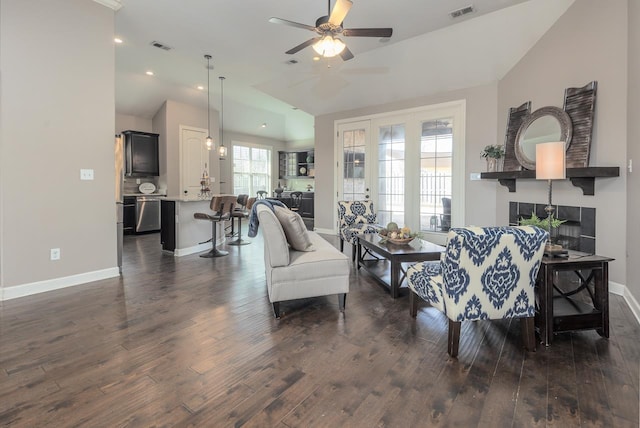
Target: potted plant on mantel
493,154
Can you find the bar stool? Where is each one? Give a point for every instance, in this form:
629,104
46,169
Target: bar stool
222,207
239,212
261,194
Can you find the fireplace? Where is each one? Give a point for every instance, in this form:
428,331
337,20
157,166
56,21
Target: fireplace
577,233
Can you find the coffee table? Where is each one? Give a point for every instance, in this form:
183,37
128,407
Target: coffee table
387,269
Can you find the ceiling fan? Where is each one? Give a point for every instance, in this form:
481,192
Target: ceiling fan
328,28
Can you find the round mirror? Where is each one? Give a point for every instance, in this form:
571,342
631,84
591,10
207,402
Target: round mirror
542,126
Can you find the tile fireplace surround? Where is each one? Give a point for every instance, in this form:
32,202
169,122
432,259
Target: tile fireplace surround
577,233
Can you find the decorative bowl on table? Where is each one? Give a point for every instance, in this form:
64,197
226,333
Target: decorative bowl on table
396,235
399,241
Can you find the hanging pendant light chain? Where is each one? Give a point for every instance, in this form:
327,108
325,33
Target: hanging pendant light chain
221,110
208,96
223,149
209,140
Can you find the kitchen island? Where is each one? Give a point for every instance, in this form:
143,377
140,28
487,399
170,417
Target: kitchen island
182,234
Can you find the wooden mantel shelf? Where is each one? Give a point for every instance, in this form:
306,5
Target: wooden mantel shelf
583,178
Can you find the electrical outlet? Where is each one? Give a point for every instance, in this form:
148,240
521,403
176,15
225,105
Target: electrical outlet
86,174
55,254
137,181
474,176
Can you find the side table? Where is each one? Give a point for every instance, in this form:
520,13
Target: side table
559,311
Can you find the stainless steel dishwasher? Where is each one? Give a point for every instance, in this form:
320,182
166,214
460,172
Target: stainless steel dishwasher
147,213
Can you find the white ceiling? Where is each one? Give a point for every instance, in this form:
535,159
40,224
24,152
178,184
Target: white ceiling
429,52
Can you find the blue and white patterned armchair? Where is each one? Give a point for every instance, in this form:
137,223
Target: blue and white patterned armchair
356,218
485,273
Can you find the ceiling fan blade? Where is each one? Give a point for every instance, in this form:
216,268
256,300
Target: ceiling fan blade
274,20
302,46
346,54
367,32
340,10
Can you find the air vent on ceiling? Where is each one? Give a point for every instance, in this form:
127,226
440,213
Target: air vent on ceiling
160,46
292,61
463,11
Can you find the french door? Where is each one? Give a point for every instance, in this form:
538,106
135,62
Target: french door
410,164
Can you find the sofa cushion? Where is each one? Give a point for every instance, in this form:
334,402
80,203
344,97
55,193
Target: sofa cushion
276,248
294,229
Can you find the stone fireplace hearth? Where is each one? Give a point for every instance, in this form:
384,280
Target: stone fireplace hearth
577,233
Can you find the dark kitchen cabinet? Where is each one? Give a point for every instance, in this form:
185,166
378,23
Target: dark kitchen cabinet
129,215
168,225
306,207
296,164
141,154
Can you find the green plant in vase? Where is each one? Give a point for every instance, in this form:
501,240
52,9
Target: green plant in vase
492,153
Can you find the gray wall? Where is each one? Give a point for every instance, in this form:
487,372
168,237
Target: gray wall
125,122
166,122
55,121
481,108
633,148
589,42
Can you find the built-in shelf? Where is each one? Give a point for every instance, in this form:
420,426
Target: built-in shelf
583,178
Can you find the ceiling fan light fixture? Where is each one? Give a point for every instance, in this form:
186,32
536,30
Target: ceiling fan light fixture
329,46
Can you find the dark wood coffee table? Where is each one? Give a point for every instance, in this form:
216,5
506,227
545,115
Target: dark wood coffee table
388,268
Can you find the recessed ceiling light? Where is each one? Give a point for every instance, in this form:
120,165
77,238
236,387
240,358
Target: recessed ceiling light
201,87
117,40
149,73
264,125
316,58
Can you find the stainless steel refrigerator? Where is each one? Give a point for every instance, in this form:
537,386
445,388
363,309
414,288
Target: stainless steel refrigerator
119,156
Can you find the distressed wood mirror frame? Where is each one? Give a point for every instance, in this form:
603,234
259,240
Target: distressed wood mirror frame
523,138
579,104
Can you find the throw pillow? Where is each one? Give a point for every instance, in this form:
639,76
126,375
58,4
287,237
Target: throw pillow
294,229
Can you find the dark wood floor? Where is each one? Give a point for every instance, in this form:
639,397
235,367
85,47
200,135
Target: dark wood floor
192,342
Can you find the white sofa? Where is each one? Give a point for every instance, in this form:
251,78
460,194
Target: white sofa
293,274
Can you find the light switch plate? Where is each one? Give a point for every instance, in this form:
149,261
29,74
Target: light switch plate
86,174
55,254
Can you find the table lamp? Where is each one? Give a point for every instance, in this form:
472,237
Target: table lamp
550,165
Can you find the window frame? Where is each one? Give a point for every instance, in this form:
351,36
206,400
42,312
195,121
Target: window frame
250,146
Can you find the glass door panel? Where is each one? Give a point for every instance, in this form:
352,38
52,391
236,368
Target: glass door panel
436,172
353,140
391,174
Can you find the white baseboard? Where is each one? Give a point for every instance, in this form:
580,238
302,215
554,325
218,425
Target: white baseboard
179,252
617,289
623,291
23,290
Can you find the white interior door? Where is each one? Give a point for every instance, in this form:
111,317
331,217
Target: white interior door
353,166
194,159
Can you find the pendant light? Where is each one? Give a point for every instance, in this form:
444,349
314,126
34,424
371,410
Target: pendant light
222,150
209,140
